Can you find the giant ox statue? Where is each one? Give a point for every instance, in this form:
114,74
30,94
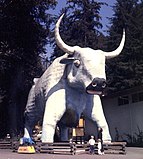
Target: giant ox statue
70,86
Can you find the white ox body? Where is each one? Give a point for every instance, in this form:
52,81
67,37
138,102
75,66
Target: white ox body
64,87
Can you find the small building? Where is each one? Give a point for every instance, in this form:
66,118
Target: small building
124,114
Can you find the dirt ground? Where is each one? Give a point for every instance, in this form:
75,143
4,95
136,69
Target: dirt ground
132,153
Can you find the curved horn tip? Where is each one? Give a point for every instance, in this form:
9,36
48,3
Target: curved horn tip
61,17
123,31
63,46
116,52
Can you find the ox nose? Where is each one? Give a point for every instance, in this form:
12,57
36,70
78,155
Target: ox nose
96,86
99,82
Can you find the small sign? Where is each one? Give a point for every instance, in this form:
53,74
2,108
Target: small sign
78,132
26,149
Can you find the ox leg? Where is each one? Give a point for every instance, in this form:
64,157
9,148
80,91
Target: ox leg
54,110
63,133
97,115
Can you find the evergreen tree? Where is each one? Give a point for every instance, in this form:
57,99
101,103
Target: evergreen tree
80,25
24,26
126,70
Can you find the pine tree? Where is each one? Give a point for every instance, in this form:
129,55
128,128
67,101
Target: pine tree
81,24
24,26
126,71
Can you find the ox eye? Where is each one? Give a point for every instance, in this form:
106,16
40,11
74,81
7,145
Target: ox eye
77,63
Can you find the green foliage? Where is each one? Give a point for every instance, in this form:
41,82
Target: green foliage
126,71
81,24
135,140
24,29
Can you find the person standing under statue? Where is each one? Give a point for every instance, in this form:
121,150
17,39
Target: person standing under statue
100,142
92,144
99,146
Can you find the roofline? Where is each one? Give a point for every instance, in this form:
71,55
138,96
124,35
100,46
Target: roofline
125,92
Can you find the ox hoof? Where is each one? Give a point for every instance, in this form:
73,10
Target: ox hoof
107,141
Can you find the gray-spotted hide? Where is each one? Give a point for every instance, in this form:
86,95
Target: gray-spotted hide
55,93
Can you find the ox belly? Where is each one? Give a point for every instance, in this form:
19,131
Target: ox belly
69,119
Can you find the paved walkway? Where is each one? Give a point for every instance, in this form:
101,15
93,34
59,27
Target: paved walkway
132,153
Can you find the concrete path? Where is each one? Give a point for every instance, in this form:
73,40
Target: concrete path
132,153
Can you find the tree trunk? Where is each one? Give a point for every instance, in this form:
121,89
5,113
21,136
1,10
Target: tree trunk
17,103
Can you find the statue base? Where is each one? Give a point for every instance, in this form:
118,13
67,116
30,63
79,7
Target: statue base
26,149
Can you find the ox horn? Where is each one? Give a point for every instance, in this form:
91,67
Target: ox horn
116,52
59,41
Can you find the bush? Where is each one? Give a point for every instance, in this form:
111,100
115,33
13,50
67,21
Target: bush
135,140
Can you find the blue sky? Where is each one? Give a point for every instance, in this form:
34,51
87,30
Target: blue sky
106,11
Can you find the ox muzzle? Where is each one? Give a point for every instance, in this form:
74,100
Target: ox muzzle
96,87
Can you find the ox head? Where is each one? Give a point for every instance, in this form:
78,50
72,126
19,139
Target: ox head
86,66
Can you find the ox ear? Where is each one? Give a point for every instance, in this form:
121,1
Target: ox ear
67,60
